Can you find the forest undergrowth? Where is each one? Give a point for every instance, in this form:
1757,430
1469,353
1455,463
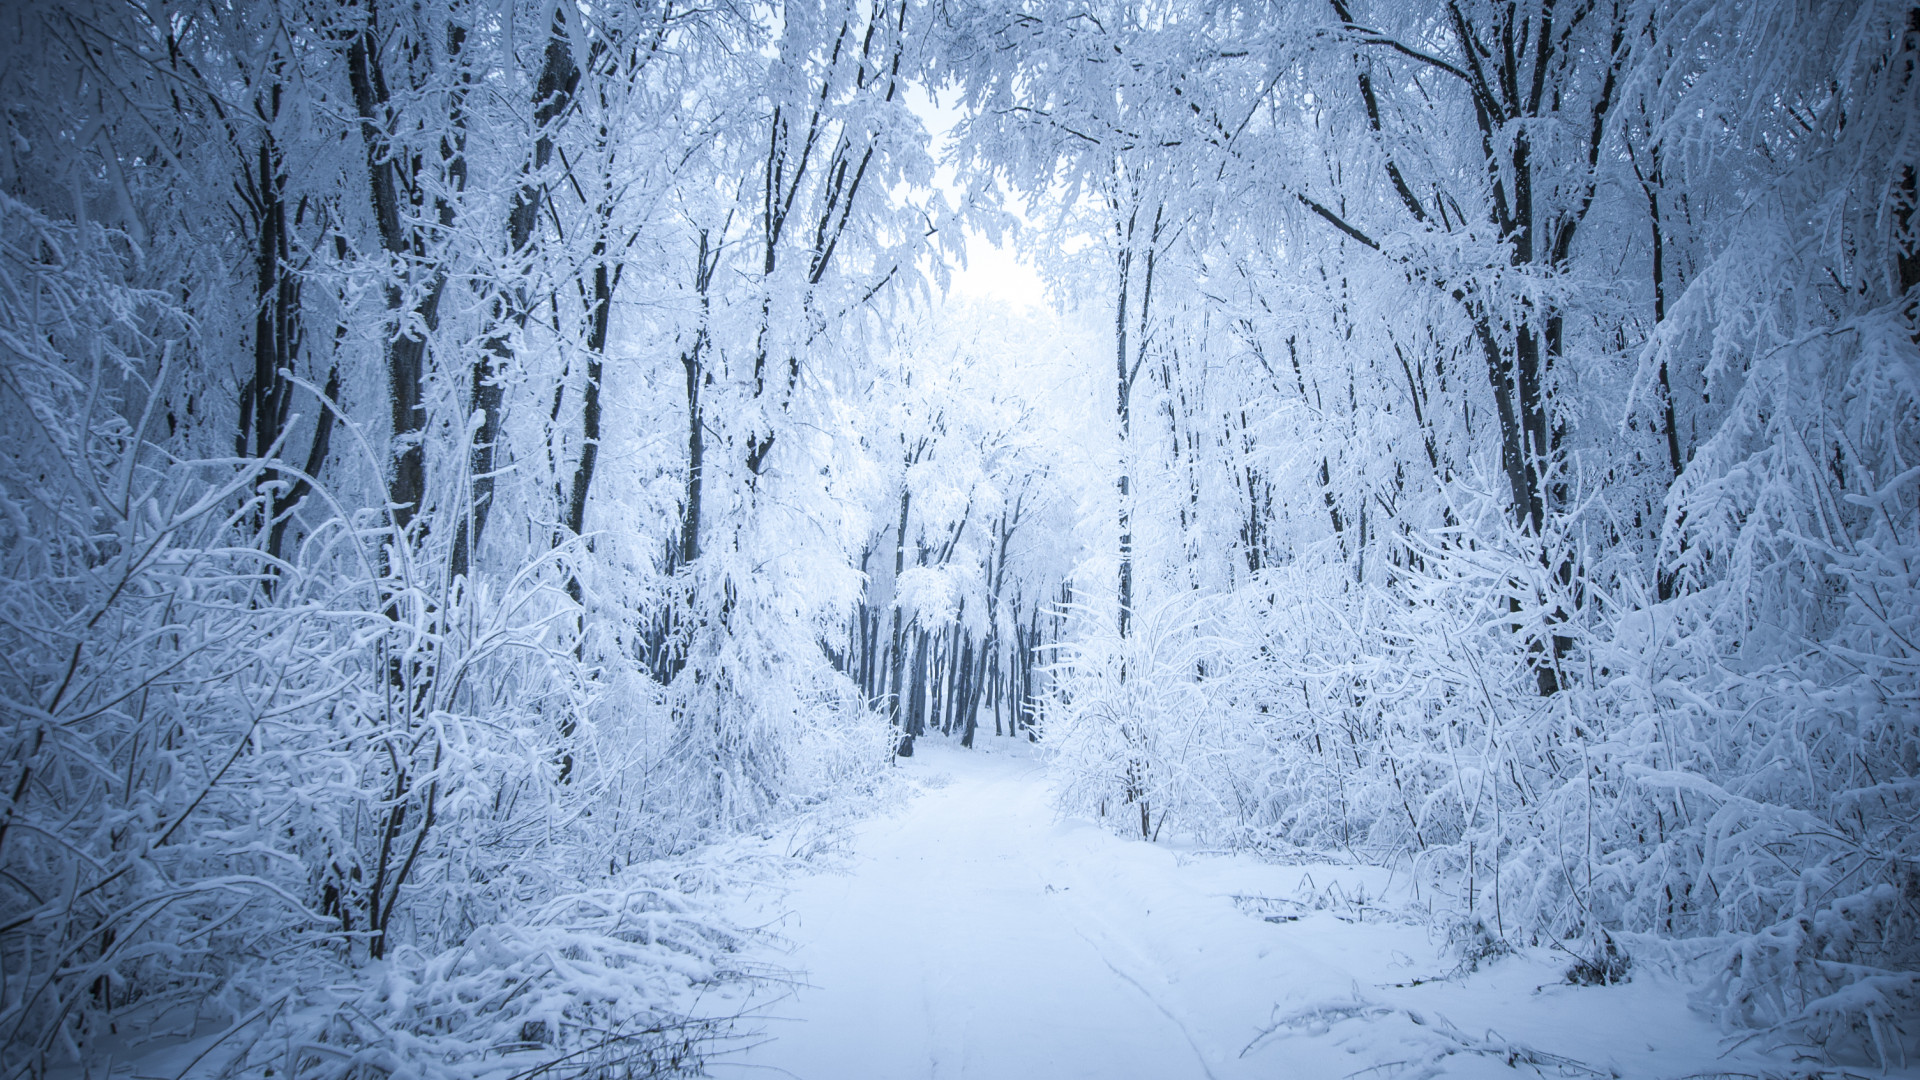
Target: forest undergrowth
1737,815
325,814
467,470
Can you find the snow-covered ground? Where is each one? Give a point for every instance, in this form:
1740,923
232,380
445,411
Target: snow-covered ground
974,934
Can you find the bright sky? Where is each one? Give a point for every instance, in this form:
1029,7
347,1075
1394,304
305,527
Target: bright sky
997,273
992,272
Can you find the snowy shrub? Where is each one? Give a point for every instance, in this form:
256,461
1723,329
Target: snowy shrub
230,775
454,457
759,721
1831,977
138,852
586,985
1137,734
1585,586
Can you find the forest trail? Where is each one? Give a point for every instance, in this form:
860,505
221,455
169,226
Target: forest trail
974,934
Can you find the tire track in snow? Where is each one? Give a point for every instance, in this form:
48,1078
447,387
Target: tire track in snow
1116,940
976,936
1154,1000
946,952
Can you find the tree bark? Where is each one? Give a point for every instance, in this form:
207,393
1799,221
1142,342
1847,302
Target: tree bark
552,96
405,350
266,398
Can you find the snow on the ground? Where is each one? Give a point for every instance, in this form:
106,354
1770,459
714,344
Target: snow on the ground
972,933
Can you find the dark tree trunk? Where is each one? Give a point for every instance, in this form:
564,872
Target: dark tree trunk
405,350
394,172
287,502
1123,410
552,95
1017,683
278,332
894,702
974,669
597,329
693,363
666,644
917,688
936,679
1906,243
959,663
390,171
993,677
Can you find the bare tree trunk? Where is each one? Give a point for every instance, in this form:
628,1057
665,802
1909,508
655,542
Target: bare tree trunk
1906,190
959,657
552,96
1018,681
1123,394
917,690
405,351
1127,373
974,669
597,328
894,703
266,398
409,674
995,691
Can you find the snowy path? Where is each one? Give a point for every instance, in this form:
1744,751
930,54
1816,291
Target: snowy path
976,936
